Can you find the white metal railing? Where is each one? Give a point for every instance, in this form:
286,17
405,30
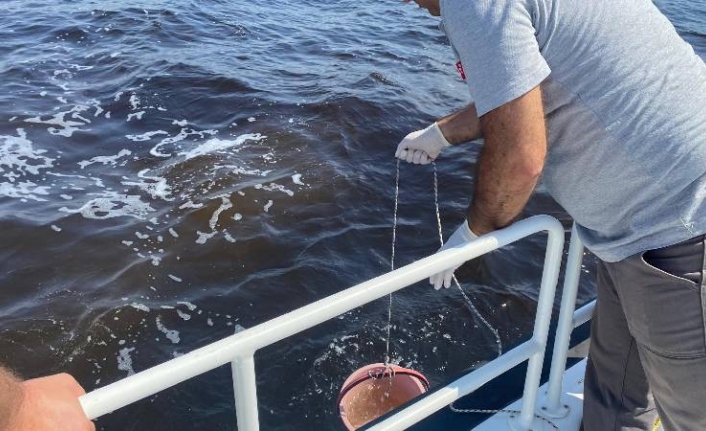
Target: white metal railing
568,321
239,349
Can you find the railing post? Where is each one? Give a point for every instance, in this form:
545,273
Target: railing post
245,389
565,326
545,303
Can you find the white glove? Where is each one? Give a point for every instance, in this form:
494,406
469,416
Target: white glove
423,146
461,237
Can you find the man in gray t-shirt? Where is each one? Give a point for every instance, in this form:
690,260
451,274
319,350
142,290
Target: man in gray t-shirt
607,103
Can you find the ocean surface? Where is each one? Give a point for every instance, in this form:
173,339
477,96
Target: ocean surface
172,172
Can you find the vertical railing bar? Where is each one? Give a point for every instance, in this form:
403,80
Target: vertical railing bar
545,303
565,325
245,391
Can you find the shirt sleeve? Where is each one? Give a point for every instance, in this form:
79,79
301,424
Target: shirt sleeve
496,42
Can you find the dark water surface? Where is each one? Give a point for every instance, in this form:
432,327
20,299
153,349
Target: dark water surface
175,171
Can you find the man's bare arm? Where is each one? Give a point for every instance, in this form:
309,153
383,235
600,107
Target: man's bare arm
43,404
10,397
461,126
511,162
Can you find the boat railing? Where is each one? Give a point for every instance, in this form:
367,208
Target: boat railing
239,349
567,322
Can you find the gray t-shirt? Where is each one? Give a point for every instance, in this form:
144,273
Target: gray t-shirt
625,102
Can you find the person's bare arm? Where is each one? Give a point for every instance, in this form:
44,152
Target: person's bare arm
510,163
43,404
10,397
461,126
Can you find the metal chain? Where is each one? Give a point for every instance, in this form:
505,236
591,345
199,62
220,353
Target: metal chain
510,412
392,262
477,314
469,303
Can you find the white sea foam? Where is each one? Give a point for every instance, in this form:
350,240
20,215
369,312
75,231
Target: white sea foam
184,316
24,190
141,307
175,278
204,236
156,187
111,204
278,187
134,101
125,360
137,115
171,334
225,205
105,160
189,204
63,72
55,228
19,158
213,145
267,206
146,136
66,127
81,67
239,170
297,179
183,134
191,306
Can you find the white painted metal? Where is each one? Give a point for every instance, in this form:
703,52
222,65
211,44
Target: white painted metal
245,390
583,314
573,397
565,326
242,346
545,304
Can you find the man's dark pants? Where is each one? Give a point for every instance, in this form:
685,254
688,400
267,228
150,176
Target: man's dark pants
648,332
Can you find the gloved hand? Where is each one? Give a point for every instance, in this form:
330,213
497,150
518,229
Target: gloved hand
423,146
461,237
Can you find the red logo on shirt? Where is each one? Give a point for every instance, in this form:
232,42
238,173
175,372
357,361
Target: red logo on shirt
459,66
